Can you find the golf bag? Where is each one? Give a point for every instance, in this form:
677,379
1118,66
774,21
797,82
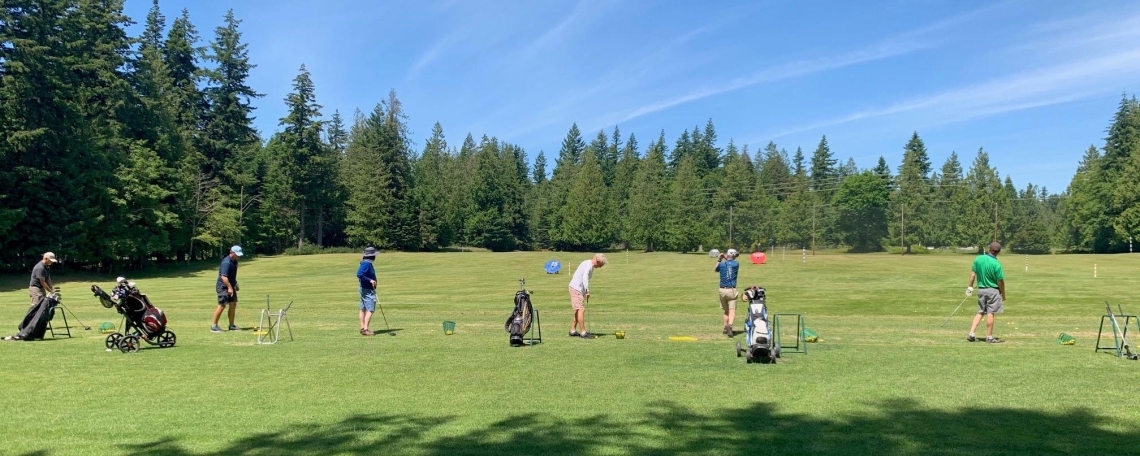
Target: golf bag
518,323
762,345
141,321
36,321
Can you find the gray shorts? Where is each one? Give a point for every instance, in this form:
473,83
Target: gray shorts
989,301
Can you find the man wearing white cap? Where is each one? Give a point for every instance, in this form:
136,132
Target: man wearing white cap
727,266
40,284
227,288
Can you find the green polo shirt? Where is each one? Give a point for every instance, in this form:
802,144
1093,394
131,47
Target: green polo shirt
988,270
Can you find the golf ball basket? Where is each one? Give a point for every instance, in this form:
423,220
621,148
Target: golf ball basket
142,322
762,345
448,328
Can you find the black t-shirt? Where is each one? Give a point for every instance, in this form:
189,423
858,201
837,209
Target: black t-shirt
40,271
229,270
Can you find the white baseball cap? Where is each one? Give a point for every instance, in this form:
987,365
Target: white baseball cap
51,257
236,250
731,253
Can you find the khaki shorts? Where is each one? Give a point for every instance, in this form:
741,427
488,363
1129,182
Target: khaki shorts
727,299
36,293
989,301
577,299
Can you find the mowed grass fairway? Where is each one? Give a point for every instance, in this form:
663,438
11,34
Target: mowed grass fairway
886,379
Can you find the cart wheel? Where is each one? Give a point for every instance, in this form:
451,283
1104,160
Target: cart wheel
777,350
129,344
167,339
113,340
739,352
773,360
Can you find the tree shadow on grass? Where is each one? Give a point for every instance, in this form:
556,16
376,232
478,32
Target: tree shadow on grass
896,427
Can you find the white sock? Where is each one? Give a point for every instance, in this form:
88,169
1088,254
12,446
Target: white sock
971,334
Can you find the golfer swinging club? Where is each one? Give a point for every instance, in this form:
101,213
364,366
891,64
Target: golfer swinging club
991,291
580,293
727,266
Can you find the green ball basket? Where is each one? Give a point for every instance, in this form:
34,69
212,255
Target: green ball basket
449,327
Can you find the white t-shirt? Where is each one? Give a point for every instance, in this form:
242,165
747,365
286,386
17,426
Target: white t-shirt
581,280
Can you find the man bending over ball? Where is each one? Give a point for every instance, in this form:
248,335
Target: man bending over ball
580,293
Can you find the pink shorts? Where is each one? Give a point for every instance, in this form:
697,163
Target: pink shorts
577,299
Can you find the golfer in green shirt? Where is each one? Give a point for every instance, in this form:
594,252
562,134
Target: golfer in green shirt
991,291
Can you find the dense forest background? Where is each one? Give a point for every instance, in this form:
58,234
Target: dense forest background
122,150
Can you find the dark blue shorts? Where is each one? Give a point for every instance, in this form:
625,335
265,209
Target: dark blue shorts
224,296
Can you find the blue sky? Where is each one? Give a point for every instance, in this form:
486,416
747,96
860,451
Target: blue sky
1033,82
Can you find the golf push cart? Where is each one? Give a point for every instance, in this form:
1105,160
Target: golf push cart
141,320
762,346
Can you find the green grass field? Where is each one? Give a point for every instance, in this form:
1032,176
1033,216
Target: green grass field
886,379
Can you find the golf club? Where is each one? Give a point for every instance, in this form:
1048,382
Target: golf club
955,310
85,327
587,327
390,333
1116,329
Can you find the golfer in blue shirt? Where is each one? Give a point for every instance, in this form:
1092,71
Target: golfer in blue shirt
366,273
727,266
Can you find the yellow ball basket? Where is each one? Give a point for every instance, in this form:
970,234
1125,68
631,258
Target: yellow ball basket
620,334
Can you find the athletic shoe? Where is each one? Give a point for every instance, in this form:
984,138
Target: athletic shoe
993,340
970,338
367,332
586,335
728,331
234,328
724,330
574,334
215,329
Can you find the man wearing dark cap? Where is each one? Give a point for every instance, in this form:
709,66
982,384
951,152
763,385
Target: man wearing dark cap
991,291
366,273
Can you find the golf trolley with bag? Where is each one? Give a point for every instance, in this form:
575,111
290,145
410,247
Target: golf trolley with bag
141,321
761,339
519,324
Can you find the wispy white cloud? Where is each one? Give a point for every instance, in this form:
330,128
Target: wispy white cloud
1074,79
558,32
782,72
433,53
617,80
905,43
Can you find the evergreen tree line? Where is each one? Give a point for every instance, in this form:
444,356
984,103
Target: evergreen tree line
125,149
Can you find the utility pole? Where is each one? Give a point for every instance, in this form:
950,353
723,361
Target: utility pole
995,221
730,244
813,229
903,223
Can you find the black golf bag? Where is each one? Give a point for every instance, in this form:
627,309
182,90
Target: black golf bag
36,321
141,321
518,323
762,346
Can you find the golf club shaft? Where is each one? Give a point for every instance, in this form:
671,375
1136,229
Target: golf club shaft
76,317
955,310
384,316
